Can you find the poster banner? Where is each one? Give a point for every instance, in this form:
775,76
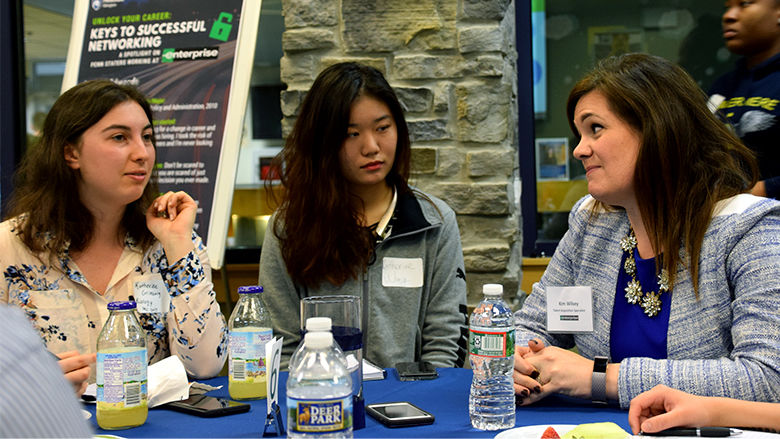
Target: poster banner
192,59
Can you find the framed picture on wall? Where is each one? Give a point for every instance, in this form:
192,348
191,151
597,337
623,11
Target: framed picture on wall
552,158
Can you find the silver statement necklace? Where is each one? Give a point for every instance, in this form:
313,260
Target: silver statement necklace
649,301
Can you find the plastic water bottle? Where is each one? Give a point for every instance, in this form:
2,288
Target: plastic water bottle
315,324
319,391
121,369
492,348
250,330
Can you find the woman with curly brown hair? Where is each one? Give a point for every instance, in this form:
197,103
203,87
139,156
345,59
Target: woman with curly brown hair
349,223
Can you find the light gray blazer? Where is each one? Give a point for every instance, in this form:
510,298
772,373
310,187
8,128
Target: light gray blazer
725,343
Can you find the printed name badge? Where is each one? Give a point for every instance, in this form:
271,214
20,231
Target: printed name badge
569,309
151,294
402,272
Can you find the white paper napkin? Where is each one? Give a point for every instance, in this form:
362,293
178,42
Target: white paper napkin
167,381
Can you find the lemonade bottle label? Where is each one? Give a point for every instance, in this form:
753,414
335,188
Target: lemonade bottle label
121,377
247,354
320,416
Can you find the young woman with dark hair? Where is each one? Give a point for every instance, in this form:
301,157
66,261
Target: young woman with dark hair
87,223
683,263
349,223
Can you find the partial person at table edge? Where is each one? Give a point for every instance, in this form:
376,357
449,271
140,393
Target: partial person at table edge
684,265
36,400
349,223
749,96
662,407
87,222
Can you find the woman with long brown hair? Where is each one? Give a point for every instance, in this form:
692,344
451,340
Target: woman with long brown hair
88,225
683,263
349,223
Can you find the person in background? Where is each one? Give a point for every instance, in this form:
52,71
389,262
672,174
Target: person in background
661,408
86,224
36,400
683,264
749,96
349,223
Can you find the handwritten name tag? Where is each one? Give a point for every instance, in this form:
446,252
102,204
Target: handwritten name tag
151,294
402,272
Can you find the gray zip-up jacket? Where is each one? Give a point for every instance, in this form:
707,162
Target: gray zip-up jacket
400,323
726,342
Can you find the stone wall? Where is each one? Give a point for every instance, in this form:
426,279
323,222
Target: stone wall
453,66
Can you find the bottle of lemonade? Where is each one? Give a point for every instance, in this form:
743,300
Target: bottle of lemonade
121,369
250,330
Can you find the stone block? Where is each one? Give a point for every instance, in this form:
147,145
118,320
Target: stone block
298,68
474,198
486,258
291,101
414,100
298,40
428,66
309,13
441,97
428,129
423,160
475,229
377,63
390,25
450,162
482,38
485,9
483,112
474,282
492,162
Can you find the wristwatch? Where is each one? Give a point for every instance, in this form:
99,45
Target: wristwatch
598,384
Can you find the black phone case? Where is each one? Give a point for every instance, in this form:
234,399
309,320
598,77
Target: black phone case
400,422
415,371
181,406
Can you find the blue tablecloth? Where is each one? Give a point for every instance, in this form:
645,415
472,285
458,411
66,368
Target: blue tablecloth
445,397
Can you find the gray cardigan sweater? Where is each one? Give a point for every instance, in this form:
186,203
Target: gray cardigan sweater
725,343
402,323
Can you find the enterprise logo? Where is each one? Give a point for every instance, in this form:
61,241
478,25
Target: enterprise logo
189,54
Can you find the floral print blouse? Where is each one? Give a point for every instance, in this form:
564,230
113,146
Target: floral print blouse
69,314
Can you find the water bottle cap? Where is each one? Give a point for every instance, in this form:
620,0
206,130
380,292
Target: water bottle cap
318,340
250,289
121,305
318,324
492,289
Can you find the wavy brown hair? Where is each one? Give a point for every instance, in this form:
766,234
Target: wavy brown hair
45,186
320,231
688,159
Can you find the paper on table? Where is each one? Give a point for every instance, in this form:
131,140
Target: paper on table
167,381
372,372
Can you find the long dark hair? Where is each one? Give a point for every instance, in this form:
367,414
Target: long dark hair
688,159
45,186
320,232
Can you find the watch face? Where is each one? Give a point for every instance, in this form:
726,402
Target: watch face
600,364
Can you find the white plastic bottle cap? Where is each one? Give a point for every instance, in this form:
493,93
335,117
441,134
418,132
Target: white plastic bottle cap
492,289
318,324
318,340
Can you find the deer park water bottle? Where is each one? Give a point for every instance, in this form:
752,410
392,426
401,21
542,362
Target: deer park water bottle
319,391
250,330
492,348
121,369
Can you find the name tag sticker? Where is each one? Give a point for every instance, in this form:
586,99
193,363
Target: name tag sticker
569,309
151,294
402,272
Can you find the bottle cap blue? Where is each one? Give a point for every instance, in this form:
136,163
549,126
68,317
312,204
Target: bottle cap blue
121,305
250,289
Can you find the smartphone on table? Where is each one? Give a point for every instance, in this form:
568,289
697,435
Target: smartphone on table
399,414
208,406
